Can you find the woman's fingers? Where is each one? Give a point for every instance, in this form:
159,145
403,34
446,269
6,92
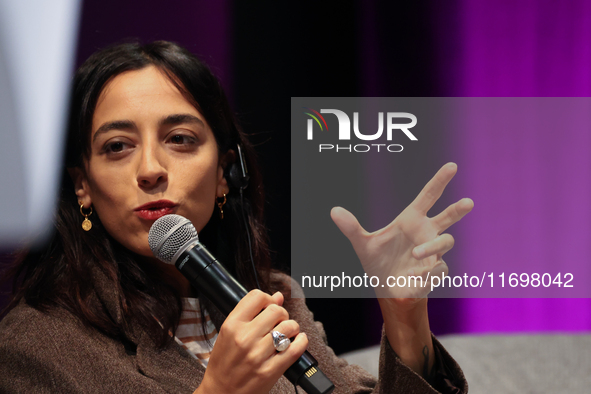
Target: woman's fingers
437,246
287,357
453,214
267,313
348,224
439,269
245,346
434,188
289,328
253,303
269,318
278,298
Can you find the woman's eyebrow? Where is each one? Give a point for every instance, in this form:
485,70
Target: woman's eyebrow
181,118
114,125
128,124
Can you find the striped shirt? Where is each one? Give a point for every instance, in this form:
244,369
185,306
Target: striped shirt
190,333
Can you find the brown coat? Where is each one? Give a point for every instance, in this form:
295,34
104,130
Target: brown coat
55,352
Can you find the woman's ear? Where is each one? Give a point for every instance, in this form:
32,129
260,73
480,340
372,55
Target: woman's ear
225,160
80,186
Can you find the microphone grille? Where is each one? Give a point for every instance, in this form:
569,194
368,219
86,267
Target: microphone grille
168,235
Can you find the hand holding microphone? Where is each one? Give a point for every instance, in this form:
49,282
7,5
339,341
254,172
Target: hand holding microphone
245,344
244,359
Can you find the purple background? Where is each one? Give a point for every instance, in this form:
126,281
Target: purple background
528,48
526,162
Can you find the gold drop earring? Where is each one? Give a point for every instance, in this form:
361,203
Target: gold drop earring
86,224
221,204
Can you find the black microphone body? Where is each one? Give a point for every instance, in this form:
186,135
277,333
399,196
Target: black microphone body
204,272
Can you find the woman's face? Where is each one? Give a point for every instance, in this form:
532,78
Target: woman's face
152,153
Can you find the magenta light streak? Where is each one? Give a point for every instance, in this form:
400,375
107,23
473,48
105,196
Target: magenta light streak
526,48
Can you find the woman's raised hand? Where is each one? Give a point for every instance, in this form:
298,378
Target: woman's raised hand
412,245
244,359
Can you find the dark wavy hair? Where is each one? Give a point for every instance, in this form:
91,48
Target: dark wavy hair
60,274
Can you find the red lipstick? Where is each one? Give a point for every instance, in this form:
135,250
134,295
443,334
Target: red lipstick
155,209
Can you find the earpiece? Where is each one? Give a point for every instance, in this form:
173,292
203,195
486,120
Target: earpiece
237,178
237,173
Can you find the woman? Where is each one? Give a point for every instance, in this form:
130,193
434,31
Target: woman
151,133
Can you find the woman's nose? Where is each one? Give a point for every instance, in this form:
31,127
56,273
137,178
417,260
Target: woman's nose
152,171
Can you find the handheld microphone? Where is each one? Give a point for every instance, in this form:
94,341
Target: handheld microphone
174,240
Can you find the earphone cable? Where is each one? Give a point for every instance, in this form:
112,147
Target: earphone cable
256,277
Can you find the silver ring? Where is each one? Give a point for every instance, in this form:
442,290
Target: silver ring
280,341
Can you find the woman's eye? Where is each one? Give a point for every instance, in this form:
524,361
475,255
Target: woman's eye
181,139
115,147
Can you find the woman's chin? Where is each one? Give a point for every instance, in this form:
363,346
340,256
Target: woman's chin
140,249
146,252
